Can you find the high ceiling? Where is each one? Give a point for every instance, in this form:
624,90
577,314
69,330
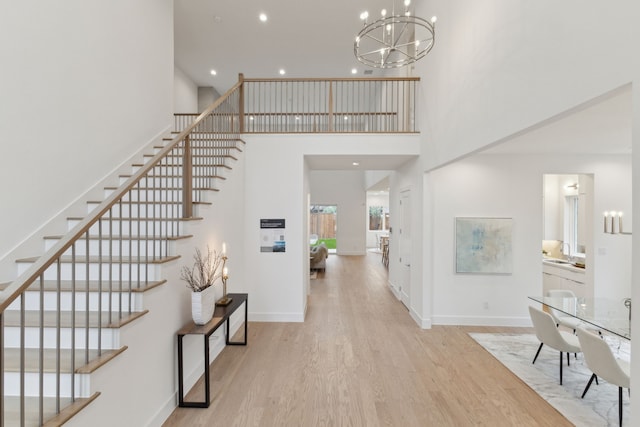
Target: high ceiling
315,39
307,38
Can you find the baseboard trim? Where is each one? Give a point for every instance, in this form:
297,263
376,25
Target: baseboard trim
276,317
422,322
481,321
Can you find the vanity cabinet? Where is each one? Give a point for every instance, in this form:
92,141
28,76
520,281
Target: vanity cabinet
564,277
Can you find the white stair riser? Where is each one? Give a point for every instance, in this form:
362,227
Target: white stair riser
135,273
153,196
135,228
118,300
109,337
32,384
128,247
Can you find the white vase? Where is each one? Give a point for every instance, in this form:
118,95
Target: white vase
202,305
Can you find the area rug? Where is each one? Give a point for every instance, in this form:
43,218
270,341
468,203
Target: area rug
598,408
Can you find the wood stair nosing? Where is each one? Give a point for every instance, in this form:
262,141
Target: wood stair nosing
69,411
126,237
125,176
81,259
69,408
94,286
50,362
195,156
135,219
155,202
176,189
176,165
32,319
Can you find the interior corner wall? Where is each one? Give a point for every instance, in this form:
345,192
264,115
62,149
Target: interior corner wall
501,66
83,89
510,186
346,189
185,93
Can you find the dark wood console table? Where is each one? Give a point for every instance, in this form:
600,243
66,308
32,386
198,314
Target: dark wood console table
220,316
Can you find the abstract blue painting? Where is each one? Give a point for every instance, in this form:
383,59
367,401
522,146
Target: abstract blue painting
483,245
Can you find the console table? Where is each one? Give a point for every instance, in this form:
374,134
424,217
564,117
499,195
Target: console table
221,316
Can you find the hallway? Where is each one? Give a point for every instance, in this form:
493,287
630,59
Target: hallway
360,360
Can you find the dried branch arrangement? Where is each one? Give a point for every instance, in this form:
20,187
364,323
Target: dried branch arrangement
205,271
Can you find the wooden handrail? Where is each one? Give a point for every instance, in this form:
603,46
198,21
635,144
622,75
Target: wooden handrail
18,286
336,79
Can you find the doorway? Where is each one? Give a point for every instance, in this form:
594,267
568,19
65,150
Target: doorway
323,226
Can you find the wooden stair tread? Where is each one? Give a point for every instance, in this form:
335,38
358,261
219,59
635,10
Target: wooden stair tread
145,202
94,286
32,360
109,260
32,319
133,218
175,176
126,237
51,419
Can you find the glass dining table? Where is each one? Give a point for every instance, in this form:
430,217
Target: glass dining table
610,315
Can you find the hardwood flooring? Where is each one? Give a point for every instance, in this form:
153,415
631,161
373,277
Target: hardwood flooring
360,360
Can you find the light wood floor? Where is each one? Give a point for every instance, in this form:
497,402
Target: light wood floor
360,360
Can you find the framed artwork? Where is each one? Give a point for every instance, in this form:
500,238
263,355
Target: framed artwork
483,245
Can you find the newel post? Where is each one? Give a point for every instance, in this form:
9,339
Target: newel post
241,102
187,180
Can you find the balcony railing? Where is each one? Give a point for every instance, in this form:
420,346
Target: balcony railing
347,105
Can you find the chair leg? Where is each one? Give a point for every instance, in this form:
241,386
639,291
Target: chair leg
593,376
568,359
561,368
537,353
620,404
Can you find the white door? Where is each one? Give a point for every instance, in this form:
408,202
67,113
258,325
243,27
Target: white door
404,248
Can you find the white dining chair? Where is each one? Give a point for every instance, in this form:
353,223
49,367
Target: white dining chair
549,334
601,361
563,319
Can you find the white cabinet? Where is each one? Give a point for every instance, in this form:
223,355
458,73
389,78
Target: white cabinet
567,278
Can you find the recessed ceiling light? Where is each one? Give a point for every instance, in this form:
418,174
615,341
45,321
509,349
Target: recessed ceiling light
355,164
346,117
282,72
354,71
214,72
263,17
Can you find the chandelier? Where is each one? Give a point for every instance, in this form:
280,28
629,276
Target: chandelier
394,41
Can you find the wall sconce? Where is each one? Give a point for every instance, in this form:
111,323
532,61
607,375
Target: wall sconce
613,223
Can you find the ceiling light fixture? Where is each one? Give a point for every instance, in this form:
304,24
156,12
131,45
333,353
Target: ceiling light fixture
354,71
282,72
263,17
394,40
214,72
355,164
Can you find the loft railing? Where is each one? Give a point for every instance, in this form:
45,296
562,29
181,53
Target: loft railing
104,260
347,105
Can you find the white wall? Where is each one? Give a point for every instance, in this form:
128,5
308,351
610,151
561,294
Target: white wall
501,66
275,188
84,85
345,189
510,186
185,93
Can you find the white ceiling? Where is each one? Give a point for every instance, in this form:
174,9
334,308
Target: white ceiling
307,38
315,39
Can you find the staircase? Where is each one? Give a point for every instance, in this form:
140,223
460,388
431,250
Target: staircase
60,319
